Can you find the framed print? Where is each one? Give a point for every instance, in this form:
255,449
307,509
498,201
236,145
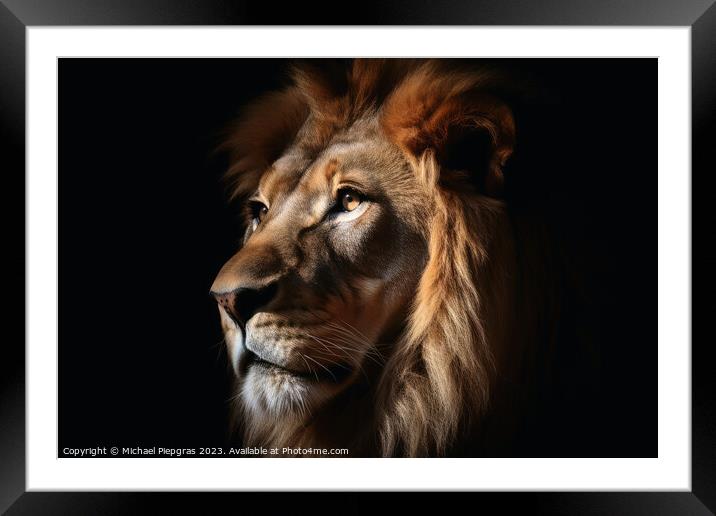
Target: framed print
430,251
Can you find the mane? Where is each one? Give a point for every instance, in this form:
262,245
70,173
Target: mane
438,380
437,384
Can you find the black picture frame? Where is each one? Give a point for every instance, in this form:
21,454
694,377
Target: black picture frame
700,15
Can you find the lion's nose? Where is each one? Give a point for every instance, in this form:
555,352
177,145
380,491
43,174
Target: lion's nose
241,304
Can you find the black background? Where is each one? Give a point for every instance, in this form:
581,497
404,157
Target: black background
144,227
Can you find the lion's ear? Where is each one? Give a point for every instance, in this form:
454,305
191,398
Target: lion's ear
467,130
476,137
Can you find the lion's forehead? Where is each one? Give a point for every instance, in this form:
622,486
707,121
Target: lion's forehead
297,171
364,151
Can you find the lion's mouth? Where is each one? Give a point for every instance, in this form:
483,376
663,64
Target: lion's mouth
319,373
253,359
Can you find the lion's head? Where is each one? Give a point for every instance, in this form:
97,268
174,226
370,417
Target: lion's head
367,306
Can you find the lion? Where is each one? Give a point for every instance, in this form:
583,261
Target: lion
377,301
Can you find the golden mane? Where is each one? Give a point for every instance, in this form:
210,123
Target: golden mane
439,380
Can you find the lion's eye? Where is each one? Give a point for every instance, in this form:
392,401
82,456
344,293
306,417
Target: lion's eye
258,212
349,200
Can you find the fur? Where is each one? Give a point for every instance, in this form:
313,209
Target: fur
458,341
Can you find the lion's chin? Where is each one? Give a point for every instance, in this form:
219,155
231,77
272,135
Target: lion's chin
270,390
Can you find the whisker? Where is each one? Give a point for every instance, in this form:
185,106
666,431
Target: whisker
310,369
324,367
368,351
355,361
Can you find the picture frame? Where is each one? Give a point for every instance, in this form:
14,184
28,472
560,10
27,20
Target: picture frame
17,15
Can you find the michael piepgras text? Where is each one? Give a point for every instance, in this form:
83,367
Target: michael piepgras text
159,451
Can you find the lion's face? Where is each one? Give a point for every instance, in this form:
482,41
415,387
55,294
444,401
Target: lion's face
331,256
365,258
